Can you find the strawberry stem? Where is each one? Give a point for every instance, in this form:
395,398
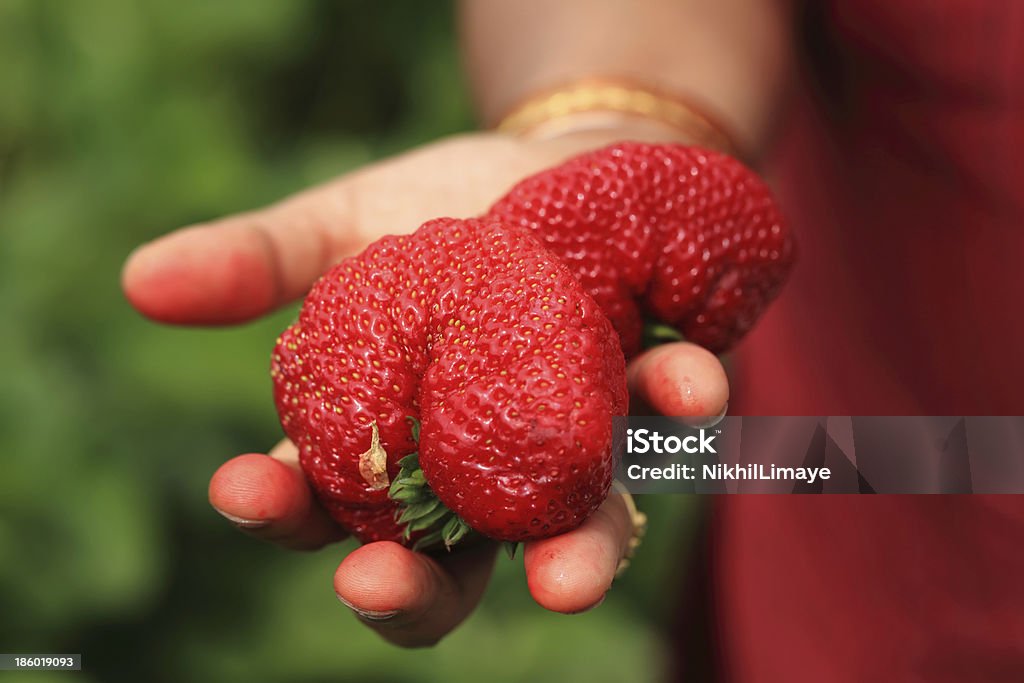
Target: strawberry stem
420,508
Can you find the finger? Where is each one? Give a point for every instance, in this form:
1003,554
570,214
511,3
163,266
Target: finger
267,497
240,267
678,379
571,573
409,598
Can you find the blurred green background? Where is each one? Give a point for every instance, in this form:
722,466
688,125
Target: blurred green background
122,120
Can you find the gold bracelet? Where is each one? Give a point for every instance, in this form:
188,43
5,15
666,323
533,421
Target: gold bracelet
546,113
639,522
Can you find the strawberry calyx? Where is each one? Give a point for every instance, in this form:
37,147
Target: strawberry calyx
419,507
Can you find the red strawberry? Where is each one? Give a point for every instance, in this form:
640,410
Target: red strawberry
483,336
687,236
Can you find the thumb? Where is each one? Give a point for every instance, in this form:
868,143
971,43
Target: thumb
241,267
238,268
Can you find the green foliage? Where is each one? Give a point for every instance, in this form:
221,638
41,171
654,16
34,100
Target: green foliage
122,120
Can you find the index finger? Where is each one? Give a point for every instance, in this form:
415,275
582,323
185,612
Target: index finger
238,268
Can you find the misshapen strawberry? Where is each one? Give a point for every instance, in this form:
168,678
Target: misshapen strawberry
686,236
487,337
471,338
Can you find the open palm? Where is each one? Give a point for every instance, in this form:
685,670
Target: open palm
244,266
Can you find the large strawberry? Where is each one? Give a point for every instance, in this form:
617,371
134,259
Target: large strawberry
474,329
687,237
472,339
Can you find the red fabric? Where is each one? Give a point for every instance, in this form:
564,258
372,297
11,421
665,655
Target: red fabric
902,172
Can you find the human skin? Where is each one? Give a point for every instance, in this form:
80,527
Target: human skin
244,266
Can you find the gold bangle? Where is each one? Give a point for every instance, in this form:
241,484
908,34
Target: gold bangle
543,112
639,522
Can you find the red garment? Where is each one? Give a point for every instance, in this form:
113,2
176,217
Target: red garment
903,174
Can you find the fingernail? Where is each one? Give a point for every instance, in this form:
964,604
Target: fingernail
241,521
368,614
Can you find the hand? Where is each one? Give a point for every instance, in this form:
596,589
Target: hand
243,266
